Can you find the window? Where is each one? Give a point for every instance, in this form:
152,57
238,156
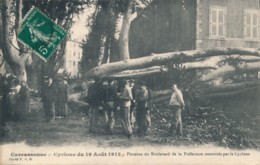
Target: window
251,24
74,63
217,22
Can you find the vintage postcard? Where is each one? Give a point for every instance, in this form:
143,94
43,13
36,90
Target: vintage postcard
129,82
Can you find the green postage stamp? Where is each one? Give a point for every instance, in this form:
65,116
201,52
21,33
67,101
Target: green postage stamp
40,33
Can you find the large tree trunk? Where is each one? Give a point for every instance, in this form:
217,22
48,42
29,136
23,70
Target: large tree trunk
209,63
11,56
124,34
161,59
138,72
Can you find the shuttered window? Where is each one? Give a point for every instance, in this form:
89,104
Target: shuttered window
217,22
251,24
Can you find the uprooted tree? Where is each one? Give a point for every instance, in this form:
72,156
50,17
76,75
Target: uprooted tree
161,59
207,65
224,63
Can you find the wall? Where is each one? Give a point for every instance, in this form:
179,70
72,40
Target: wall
234,24
163,27
73,55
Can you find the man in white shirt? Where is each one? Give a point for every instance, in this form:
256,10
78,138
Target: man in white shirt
177,104
125,99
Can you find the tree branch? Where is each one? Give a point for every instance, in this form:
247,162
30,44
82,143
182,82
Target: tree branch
160,59
226,70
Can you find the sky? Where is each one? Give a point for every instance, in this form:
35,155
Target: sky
79,29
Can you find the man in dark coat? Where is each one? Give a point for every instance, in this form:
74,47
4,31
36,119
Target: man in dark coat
23,101
3,105
94,98
143,118
51,96
109,98
4,102
62,99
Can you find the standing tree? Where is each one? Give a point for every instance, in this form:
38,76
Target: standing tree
15,54
111,19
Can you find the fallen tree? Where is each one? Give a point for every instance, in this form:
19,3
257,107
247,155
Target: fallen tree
160,59
216,60
227,70
231,87
233,93
213,91
209,63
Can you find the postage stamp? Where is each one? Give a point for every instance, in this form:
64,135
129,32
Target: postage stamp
40,33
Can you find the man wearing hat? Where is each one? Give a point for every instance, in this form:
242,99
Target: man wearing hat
143,118
50,93
125,99
177,104
95,97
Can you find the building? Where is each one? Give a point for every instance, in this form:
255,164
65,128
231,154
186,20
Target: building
169,25
232,23
73,55
176,25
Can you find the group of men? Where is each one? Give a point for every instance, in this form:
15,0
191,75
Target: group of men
15,98
124,98
55,98
128,100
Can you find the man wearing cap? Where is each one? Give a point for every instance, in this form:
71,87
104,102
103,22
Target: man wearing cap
177,104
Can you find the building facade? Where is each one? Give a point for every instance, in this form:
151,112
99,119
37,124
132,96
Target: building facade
227,23
177,25
171,25
73,55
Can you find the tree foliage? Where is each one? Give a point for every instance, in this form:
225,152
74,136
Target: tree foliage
102,45
60,11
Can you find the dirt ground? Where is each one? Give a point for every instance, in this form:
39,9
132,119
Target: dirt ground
229,129
36,131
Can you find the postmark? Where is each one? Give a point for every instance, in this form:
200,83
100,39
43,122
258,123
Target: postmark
41,34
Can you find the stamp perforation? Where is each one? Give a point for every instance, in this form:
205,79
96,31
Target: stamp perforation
60,28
